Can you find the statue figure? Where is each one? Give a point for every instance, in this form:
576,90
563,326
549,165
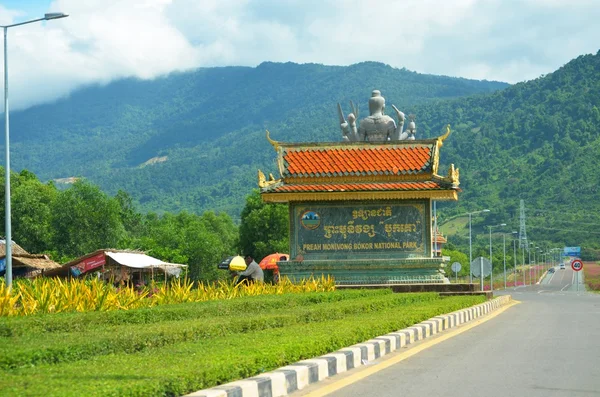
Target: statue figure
412,128
377,127
349,131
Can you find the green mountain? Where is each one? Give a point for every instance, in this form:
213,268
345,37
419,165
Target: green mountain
195,140
538,141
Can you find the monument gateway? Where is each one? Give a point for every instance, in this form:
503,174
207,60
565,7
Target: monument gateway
360,209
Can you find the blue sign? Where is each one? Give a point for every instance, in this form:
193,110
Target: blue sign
572,251
2,265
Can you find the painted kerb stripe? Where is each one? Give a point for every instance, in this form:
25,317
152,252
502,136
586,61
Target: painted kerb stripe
286,380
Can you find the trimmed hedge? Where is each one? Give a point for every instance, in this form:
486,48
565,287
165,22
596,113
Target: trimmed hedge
83,322
185,366
218,320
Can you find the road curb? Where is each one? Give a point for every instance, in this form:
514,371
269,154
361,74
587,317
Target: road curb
293,377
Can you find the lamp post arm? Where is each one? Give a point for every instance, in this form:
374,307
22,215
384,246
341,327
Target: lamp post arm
22,23
470,252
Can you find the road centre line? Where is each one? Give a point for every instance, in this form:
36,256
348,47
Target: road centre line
401,356
562,277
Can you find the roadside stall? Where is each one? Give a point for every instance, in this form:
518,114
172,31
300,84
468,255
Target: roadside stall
119,266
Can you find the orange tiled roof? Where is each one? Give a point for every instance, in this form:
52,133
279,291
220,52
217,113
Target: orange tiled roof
357,161
441,239
355,187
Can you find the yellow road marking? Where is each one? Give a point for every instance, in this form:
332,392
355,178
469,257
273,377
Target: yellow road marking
323,391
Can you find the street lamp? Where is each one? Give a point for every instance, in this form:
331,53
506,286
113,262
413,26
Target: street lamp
523,261
514,240
8,236
535,271
529,252
491,262
504,257
543,259
470,245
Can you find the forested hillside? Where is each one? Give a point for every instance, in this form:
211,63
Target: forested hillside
205,130
538,141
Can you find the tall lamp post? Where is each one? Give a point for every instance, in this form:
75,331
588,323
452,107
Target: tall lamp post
514,241
504,256
555,257
523,261
7,227
529,252
491,262
535,269
544,259
515,259
470,244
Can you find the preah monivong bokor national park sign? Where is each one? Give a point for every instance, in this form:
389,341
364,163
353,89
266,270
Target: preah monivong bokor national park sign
360,209
325,230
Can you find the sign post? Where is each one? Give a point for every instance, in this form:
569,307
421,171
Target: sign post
481,267
456,268
577,266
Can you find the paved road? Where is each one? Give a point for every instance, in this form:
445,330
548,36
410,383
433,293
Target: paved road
548,345
561,280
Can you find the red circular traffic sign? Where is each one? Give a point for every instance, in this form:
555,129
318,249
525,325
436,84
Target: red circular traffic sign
577,265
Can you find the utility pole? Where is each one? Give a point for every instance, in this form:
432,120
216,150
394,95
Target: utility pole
515,260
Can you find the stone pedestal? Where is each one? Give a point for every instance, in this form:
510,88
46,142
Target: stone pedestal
371,271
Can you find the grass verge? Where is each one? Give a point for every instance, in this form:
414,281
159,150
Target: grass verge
215,345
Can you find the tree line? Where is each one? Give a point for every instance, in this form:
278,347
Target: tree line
68,223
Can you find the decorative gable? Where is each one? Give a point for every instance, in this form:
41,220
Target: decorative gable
359,170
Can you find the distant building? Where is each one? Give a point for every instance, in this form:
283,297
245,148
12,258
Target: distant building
438,242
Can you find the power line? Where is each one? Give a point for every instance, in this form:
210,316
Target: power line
575,222
563,230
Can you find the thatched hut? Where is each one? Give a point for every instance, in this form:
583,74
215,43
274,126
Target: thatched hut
25,264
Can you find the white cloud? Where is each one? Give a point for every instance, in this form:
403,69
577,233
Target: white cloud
103,40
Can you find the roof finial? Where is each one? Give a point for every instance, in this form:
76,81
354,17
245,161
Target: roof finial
443,137
272,142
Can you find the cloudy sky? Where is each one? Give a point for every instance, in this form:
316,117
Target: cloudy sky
103,40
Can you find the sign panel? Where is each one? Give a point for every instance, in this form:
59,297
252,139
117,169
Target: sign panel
572,251
577,265
478,264
88,264
323,230
456,267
